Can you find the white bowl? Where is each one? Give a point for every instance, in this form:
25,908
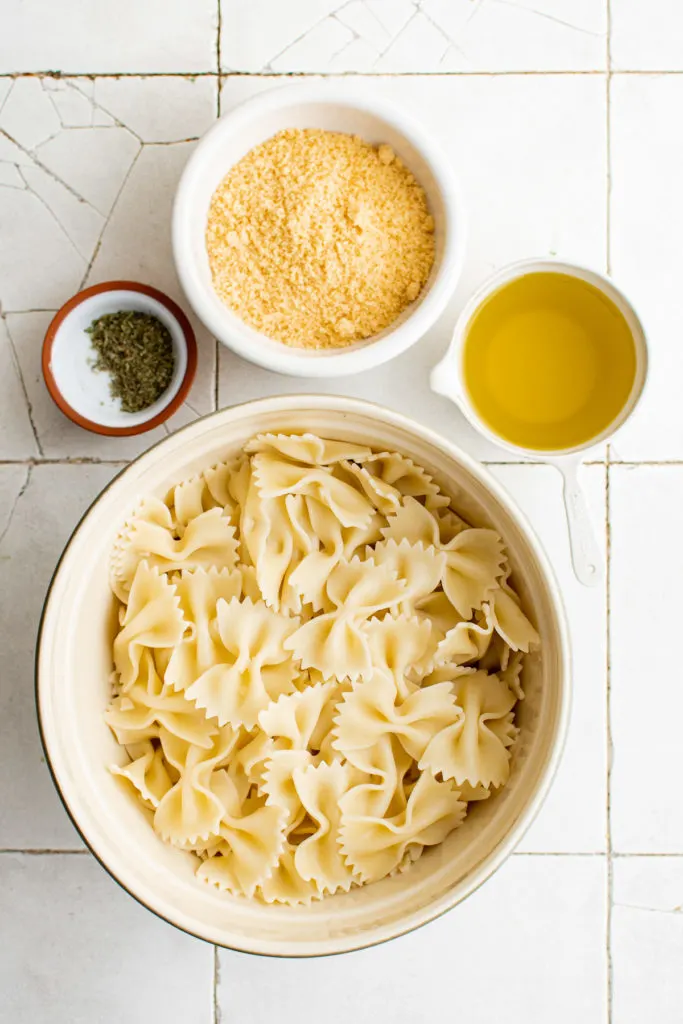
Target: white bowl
74,665
335,107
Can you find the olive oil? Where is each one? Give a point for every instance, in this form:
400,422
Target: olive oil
549,361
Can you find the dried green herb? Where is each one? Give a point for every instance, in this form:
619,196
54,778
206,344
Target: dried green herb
136,350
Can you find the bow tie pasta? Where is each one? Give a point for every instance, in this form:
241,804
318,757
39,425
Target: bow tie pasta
317,666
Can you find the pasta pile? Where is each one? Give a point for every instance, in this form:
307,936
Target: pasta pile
317,666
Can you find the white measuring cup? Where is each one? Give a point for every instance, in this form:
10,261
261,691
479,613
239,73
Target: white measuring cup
447,379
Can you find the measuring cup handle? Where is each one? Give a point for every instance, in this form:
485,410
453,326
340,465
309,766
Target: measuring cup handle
586,555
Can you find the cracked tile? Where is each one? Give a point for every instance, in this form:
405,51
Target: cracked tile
50,212
33,529
28,116
74,109
17,440
33,238
255,33
548,133
400,36
5,89
97,946
316,49
502,35
647,939
187,111
80,221
94,162
70,36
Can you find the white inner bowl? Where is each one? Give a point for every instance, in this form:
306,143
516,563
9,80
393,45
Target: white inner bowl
87,390
338,108
75,663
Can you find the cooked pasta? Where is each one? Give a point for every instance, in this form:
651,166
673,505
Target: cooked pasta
317,666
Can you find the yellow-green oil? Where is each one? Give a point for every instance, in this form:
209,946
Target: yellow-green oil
549,361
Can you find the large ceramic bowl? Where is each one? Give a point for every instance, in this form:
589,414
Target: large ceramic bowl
337,107
74,665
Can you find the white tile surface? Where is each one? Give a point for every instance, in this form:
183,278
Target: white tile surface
528,946
39,506
83,952
646,227
647,940
158,35
646,695
574,816
93,203
647,36
88,166
398,36
548,135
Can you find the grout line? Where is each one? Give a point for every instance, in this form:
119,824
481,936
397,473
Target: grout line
219,26
216,980
47,853
66,461
610,745
52,852
608,139
560,853
266,73
646,462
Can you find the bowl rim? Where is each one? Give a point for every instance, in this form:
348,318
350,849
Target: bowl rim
185,384
292,361
490,863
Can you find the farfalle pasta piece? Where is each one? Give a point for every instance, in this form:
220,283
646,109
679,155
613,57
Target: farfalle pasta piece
373,709
278,783
293,718
511,622
199,592
190,811
474,558
405,476
285,884
318,858
251,845
421,568
275,478
253,666
467,640
139,709
208,540
152,619
275,536
310,575
126,555
335,643
475,748
400,645
308,448
382,495
374,846
148,775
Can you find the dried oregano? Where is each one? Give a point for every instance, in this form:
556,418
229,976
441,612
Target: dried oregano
136,350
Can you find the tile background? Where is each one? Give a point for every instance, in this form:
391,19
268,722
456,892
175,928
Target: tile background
561,118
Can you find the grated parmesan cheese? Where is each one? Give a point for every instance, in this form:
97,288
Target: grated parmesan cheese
319,239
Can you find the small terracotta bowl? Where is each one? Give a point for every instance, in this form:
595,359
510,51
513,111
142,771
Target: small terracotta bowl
83,393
